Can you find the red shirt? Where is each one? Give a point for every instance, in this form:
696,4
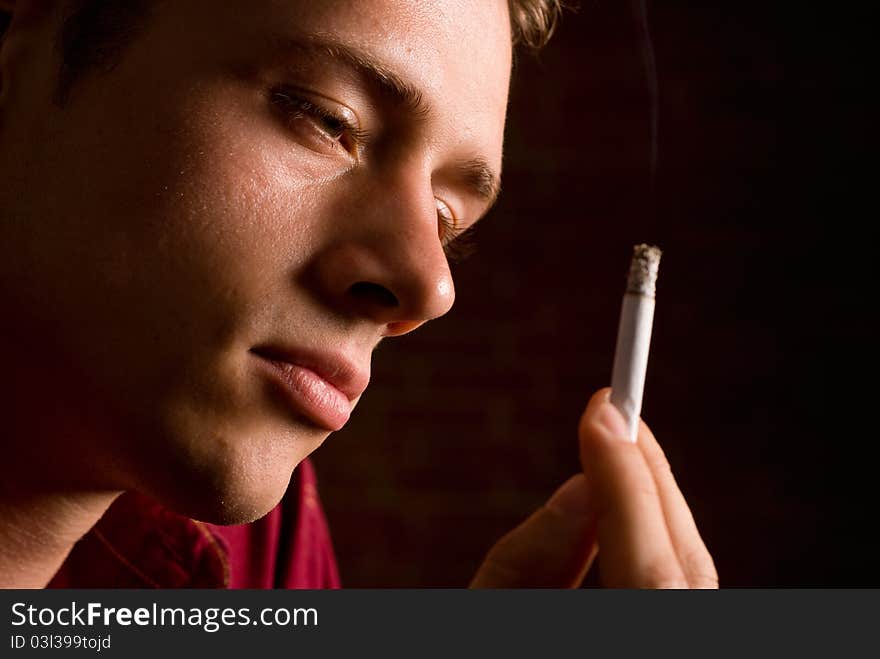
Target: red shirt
140,544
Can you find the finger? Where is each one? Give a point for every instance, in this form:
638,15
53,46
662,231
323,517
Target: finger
552,549
694,558
637,551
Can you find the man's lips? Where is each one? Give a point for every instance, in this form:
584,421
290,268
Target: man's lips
322,386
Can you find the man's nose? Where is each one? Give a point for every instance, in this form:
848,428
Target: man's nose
387,263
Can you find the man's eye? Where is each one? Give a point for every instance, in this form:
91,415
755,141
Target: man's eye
457,241
446,221
325,130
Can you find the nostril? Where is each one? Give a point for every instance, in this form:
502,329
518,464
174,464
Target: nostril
365,291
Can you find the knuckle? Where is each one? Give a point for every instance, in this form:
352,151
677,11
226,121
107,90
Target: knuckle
644,492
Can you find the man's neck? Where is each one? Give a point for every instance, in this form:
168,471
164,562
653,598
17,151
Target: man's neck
38,531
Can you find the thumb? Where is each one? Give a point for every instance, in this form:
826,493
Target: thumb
551,549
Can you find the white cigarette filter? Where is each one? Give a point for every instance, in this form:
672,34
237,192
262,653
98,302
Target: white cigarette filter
634,336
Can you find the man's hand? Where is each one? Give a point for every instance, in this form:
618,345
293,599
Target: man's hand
626,501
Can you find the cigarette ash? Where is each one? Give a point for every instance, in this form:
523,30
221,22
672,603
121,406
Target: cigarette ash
643,269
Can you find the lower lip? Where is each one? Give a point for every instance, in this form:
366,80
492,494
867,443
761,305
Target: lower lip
309,394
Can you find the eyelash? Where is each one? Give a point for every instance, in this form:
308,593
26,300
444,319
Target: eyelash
332,124
458,244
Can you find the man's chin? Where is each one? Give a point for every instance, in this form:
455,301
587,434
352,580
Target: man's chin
237,513
236,490
230,466
228,503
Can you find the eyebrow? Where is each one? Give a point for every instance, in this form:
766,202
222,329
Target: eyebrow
391,85
476,173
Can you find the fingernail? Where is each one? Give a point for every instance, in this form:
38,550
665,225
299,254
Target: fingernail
612,421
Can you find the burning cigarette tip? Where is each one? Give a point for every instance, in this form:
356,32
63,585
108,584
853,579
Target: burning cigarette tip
643,269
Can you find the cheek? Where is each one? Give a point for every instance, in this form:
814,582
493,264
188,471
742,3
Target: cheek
243,193
161,256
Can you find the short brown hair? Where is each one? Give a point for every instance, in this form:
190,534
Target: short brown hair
533,21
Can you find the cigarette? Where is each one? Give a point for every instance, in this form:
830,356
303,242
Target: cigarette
634,336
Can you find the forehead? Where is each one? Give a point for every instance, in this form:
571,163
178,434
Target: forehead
456,54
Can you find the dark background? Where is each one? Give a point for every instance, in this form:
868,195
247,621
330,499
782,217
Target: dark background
761,380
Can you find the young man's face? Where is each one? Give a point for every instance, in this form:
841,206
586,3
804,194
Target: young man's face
253,181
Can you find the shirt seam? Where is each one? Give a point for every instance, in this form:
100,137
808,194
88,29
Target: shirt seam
215,545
